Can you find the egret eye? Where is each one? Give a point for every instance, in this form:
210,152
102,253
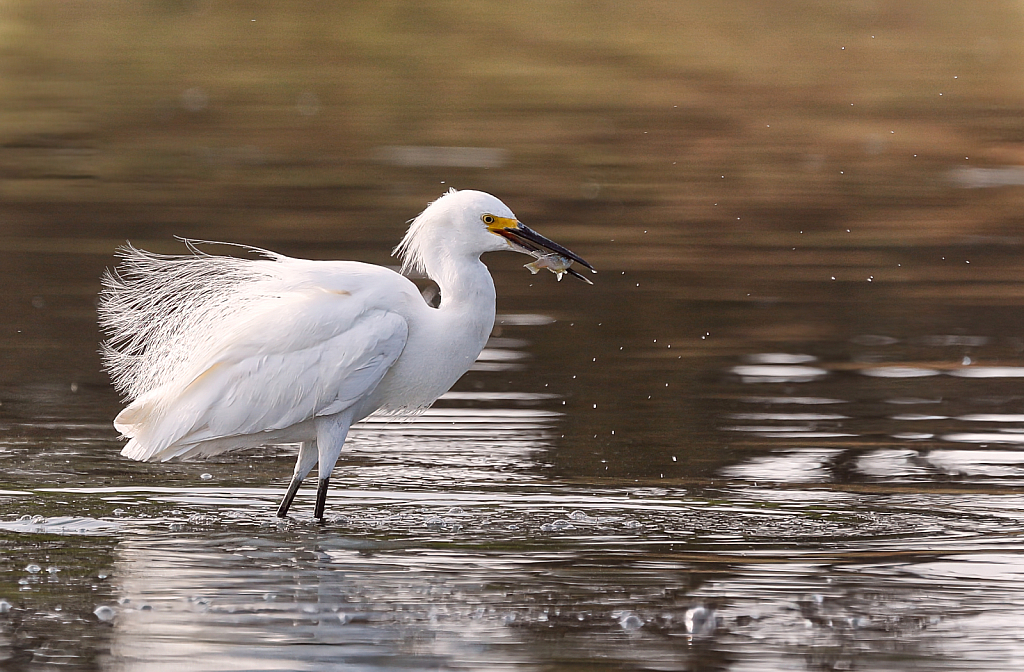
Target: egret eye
488,219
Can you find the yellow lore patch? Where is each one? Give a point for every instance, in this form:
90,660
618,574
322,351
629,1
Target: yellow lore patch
495,223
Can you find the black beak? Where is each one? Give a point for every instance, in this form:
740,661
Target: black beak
530,241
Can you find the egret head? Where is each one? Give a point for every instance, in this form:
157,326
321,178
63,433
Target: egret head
469,223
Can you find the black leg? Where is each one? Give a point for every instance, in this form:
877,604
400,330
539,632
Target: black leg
286,503
321,498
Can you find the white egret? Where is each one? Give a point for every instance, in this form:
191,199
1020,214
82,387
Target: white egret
217,352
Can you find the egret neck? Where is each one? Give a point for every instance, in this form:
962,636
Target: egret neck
467,299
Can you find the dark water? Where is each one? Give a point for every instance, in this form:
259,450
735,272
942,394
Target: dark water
782,431
840,502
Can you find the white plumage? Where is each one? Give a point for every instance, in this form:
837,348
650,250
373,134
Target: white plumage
218,352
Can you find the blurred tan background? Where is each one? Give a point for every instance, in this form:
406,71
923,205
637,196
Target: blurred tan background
271,120
734,145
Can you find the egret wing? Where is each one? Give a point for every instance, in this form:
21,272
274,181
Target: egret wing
313,352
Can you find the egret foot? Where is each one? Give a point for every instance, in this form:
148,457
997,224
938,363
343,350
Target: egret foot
321,499
286,503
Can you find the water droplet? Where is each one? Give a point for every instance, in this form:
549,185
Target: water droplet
194,99
700,621
105,613
308,104
630,621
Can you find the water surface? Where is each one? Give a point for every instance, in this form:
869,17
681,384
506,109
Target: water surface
782,431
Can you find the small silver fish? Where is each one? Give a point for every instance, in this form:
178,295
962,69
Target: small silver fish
555,263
